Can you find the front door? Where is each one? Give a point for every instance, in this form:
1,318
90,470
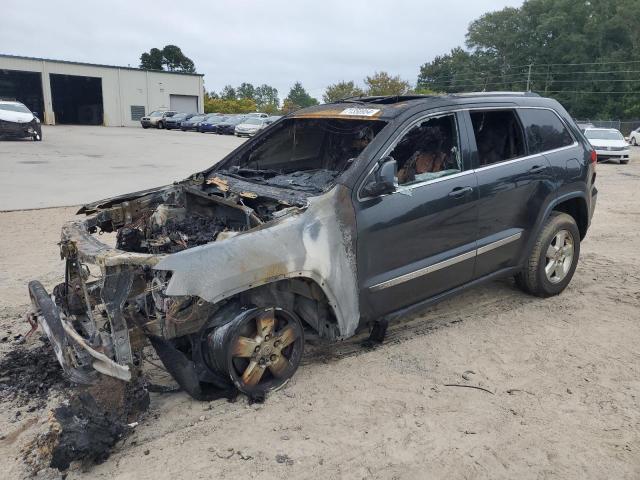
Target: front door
419,241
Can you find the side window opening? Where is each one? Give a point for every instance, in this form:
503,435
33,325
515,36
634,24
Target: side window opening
428,151
544,130
498,135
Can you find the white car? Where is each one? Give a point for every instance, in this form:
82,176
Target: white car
250,126
16,120
634,137
609,144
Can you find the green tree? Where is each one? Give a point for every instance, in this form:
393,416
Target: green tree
341,90
152,60
169,58
298,97
246,90
564,49
266,98
381,83
228,93
221,105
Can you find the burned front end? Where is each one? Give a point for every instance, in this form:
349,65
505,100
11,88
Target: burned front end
221,274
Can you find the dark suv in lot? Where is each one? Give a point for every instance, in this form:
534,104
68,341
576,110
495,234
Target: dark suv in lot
335,219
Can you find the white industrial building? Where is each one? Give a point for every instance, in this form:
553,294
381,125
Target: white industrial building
64,92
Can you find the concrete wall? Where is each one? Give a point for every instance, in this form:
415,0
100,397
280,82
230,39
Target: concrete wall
121,87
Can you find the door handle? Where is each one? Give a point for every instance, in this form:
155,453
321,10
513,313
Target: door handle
460,192
537,168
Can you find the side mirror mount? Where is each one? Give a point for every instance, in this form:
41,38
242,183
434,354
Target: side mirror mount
385,179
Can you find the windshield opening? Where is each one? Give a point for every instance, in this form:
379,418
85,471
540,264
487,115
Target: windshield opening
304,154
603,135
253,121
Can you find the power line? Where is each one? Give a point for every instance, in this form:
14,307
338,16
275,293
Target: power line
535,65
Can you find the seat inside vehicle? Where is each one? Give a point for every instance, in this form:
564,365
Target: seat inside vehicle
498,136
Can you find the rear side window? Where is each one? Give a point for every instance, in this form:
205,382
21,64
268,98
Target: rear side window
498,135
544,130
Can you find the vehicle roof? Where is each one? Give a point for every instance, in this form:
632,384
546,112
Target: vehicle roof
603,129
14,102
388,107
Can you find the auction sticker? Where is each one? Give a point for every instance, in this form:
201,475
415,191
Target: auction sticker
360,112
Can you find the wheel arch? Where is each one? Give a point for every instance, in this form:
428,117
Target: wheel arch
304,294
573,204
576,207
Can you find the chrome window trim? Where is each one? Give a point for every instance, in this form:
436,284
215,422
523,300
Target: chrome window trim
520,159
444,263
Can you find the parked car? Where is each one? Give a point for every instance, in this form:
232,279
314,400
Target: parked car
336,219
156,118
272,119
634,137
229,125
609,144
211,124
250,126
175,121
257,114
17,121
193,123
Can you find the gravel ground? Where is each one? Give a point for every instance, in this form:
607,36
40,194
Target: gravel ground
563,375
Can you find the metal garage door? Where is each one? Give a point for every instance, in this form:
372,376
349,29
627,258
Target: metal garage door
184,103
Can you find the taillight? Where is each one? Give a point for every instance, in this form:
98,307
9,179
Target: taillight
594,157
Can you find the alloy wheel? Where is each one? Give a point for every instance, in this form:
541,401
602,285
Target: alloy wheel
559,256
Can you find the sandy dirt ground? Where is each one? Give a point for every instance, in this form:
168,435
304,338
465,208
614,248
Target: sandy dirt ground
563,375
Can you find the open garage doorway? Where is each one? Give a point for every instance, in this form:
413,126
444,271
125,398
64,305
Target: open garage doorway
77,100
25,87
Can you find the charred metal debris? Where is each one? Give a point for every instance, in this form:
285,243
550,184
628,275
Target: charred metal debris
222,274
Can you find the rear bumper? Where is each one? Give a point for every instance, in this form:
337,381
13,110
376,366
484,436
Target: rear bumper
76,357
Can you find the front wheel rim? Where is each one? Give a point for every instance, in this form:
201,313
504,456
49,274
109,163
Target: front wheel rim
266,351
559,256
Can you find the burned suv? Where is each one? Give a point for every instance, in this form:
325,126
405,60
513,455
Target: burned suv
335,219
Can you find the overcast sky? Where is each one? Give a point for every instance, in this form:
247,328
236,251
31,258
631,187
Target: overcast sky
232,41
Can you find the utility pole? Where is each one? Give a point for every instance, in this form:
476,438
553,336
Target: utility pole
529,78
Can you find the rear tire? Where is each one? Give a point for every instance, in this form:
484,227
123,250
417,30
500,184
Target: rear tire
554,258
160,125
624,162
634,142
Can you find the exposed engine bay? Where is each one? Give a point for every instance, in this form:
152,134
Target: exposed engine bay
221,273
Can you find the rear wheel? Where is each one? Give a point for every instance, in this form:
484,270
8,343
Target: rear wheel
634,142
160,125
260,349
624,162
554,258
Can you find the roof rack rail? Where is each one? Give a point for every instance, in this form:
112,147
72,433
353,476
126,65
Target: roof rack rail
495,94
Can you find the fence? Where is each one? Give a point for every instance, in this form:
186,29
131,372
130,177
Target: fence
625,127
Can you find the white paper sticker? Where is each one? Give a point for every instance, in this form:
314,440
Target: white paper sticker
360,112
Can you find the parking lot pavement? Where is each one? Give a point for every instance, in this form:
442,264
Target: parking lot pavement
78,164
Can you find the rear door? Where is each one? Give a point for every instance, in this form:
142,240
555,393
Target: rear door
514,185
419,241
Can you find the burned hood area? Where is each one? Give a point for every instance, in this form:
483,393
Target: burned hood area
294,159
